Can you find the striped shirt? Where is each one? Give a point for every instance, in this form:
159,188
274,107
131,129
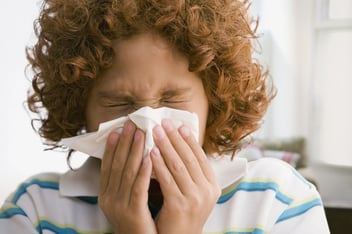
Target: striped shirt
261,196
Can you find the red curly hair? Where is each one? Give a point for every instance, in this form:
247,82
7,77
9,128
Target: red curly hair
74,46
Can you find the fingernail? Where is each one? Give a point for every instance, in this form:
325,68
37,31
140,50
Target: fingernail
167,125
113,138
146,161
158,132
138,135
128,127
184,131
155,152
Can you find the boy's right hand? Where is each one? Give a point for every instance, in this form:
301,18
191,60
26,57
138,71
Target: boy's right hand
124,182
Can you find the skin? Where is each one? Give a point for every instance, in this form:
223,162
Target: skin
147,71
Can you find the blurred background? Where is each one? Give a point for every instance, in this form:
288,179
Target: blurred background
306,45
22,153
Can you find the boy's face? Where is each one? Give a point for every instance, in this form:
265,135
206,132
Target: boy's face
146,71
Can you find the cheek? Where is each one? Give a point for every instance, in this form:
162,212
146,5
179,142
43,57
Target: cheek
203,111
202,128
202,116
94,116
92,122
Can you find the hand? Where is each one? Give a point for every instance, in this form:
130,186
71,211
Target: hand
186,179
124,183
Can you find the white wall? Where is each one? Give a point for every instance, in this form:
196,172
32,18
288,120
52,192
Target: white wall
290,24
287,28
21,151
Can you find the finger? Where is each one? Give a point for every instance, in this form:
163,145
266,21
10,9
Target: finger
133,164
107,159
120,156
172,160
184,151
199,153
141,185
167,183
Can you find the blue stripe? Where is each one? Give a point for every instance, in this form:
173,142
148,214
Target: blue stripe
43,184
298,210
254,231
46,225
254,187
8,213
90,200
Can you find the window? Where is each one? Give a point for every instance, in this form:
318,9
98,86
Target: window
332,83
340,9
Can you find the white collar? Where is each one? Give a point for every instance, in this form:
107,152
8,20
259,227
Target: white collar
85,180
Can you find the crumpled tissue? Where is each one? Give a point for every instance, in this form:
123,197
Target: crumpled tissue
145,118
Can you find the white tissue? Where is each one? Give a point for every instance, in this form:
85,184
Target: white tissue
145,118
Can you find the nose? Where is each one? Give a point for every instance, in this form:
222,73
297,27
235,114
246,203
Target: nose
153,103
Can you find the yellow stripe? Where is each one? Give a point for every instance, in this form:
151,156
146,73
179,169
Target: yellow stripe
41,179
231,187
234,229
309,199
6,207
41,219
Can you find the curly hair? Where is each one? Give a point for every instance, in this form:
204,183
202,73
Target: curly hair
74,46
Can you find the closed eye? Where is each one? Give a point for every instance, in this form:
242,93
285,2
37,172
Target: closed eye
111,100
176,103
119,108
171,101
118,104
175,98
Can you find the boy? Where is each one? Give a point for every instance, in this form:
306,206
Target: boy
96,61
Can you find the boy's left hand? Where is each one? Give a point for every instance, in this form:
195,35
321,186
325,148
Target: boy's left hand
187,181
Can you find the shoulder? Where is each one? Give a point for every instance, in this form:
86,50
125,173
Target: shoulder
40,196
266,166
297,201
269,178
30,199
280,177
43,179
272,197
276,170
35,185
38,205
286,186
288,197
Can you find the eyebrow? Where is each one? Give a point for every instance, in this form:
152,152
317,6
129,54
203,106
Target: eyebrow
110,94
175,92
114,95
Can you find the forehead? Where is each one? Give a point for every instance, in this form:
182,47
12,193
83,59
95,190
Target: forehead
141,41
146,48
144,62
